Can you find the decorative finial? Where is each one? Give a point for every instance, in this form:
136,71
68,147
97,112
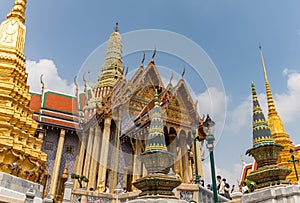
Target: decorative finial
263,62
76,85
85,83
117,27
183,72
143,59
42,82
18,11
154,53
126,71
172,75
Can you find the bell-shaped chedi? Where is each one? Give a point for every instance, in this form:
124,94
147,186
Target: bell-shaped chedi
265,151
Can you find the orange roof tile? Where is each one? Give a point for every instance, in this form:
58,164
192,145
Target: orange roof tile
35,102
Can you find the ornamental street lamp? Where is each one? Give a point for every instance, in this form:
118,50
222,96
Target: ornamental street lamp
294,162
208,128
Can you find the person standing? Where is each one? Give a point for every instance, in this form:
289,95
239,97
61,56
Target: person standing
222,187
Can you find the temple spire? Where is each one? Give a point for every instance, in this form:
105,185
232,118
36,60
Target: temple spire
18,11
261,131
156,139
271,104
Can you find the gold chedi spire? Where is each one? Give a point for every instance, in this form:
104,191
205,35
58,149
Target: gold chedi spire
17,127
18,10
112,68
277,128
271,105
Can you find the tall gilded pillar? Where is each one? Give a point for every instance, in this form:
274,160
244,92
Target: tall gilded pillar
104,153
199,161
116,156
57,161
125,177
88,152
135,172
172,148
79,165
184,156
94,159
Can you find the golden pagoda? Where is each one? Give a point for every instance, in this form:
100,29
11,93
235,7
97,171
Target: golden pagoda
20,149
278,131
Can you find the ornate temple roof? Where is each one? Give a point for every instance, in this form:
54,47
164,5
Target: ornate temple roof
55,108
261,132
156,138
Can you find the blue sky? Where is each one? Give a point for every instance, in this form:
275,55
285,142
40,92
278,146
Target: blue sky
66,32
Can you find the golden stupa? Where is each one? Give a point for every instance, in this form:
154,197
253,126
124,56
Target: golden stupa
278,131
20,150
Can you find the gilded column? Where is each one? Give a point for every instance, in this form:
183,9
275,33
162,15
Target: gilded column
125,177
104,153
94,159
172,147
79,165
88,154
135,172
116,156
185,178
199,161
57,161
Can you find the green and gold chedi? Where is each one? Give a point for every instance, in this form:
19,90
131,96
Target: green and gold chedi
265,151
157,161
20,150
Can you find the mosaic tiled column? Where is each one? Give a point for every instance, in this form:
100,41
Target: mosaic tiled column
57,161
89,152
104,153
94,159
79,165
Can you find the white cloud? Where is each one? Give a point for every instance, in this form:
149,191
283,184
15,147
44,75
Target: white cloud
288,104
50,77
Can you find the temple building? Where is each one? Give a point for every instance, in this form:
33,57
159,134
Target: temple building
97,133
279,135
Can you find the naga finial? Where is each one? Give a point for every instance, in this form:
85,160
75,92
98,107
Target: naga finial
126,71
42,82
183,72
143,59
154,53
76,85
172,75
85,83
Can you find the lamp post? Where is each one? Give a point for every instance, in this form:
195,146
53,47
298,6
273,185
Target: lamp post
208,124
294,162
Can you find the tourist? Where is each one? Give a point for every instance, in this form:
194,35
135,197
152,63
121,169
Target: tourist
226,189
222,187
202,183
232,189
208,187
124,190
245,188
219,180
107,189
